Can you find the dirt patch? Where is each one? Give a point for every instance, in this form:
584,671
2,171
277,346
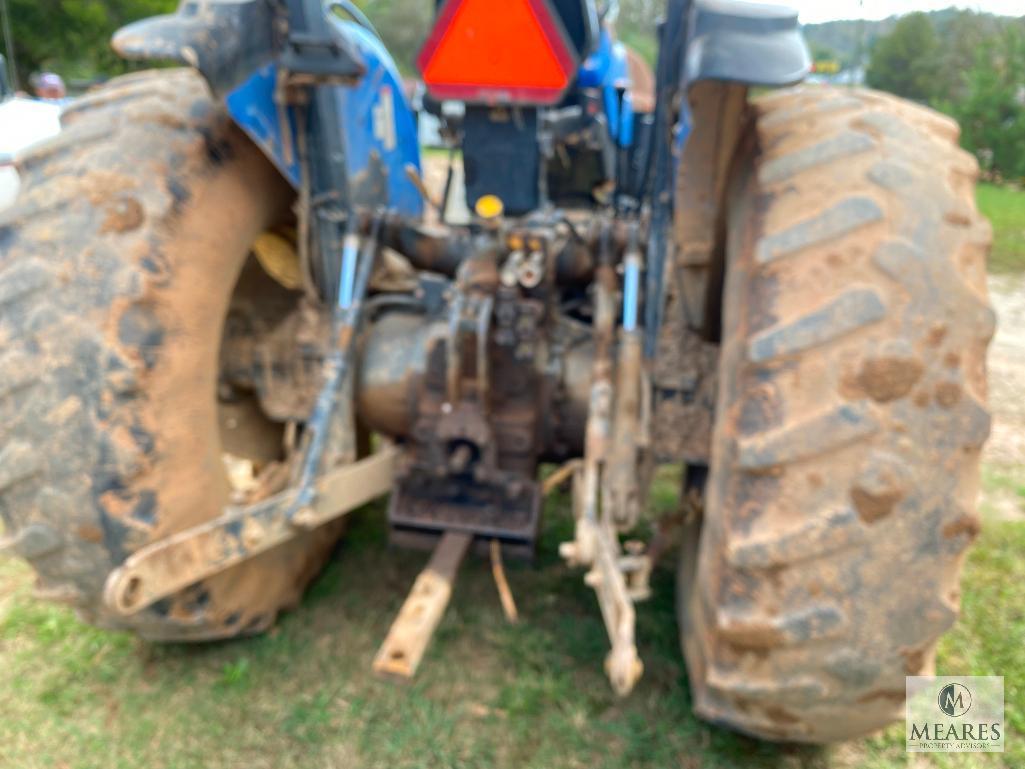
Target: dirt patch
1005,451
885,378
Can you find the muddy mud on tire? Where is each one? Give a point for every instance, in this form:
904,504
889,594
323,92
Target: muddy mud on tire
850,418
118,263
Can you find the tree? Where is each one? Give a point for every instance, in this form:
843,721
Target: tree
961,36
905,62
638,21
821,52
992,116
403,26
72,36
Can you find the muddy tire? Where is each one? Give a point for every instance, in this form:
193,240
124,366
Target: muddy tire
117,266
850,418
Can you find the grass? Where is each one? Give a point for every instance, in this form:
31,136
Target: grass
1006,479
489,695
1005,208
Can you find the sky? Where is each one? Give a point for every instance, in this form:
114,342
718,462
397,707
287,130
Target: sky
814,11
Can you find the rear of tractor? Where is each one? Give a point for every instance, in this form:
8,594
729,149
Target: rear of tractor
217,286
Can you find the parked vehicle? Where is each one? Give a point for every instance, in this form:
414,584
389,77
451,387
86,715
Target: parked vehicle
8,176
23,122
205,317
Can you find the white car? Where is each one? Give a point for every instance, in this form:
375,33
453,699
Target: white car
23,122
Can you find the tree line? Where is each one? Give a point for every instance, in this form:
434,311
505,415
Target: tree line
970,66
71,37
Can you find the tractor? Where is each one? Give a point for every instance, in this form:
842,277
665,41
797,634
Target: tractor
234,309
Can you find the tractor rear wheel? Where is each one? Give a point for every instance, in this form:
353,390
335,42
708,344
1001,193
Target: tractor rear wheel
117,268
850,418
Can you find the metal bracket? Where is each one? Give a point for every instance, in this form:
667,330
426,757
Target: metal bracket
327,485
402,650
619,580
622,665
165,567
606,494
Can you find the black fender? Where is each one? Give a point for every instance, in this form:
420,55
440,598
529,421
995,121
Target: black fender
701,40
226,40
740,42
229,40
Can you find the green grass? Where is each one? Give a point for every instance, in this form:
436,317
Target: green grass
440,153
1005,208
489,694
1005,479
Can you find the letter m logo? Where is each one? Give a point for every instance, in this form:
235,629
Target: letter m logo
954,700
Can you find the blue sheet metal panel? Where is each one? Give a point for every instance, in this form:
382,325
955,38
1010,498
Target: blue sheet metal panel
617,81
619,66
378,120
608,69
252,106
596,66
376,117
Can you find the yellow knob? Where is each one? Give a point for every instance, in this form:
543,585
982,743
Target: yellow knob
489,207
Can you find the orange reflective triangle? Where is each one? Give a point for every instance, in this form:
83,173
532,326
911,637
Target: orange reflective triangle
480,50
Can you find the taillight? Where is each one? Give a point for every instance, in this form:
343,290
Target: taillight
509,52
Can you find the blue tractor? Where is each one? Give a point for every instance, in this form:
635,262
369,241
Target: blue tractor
237,304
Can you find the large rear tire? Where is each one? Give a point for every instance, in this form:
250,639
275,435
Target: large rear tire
117,266
849,421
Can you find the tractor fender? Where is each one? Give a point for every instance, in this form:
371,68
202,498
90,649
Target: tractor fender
225,40
235,47
742,42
